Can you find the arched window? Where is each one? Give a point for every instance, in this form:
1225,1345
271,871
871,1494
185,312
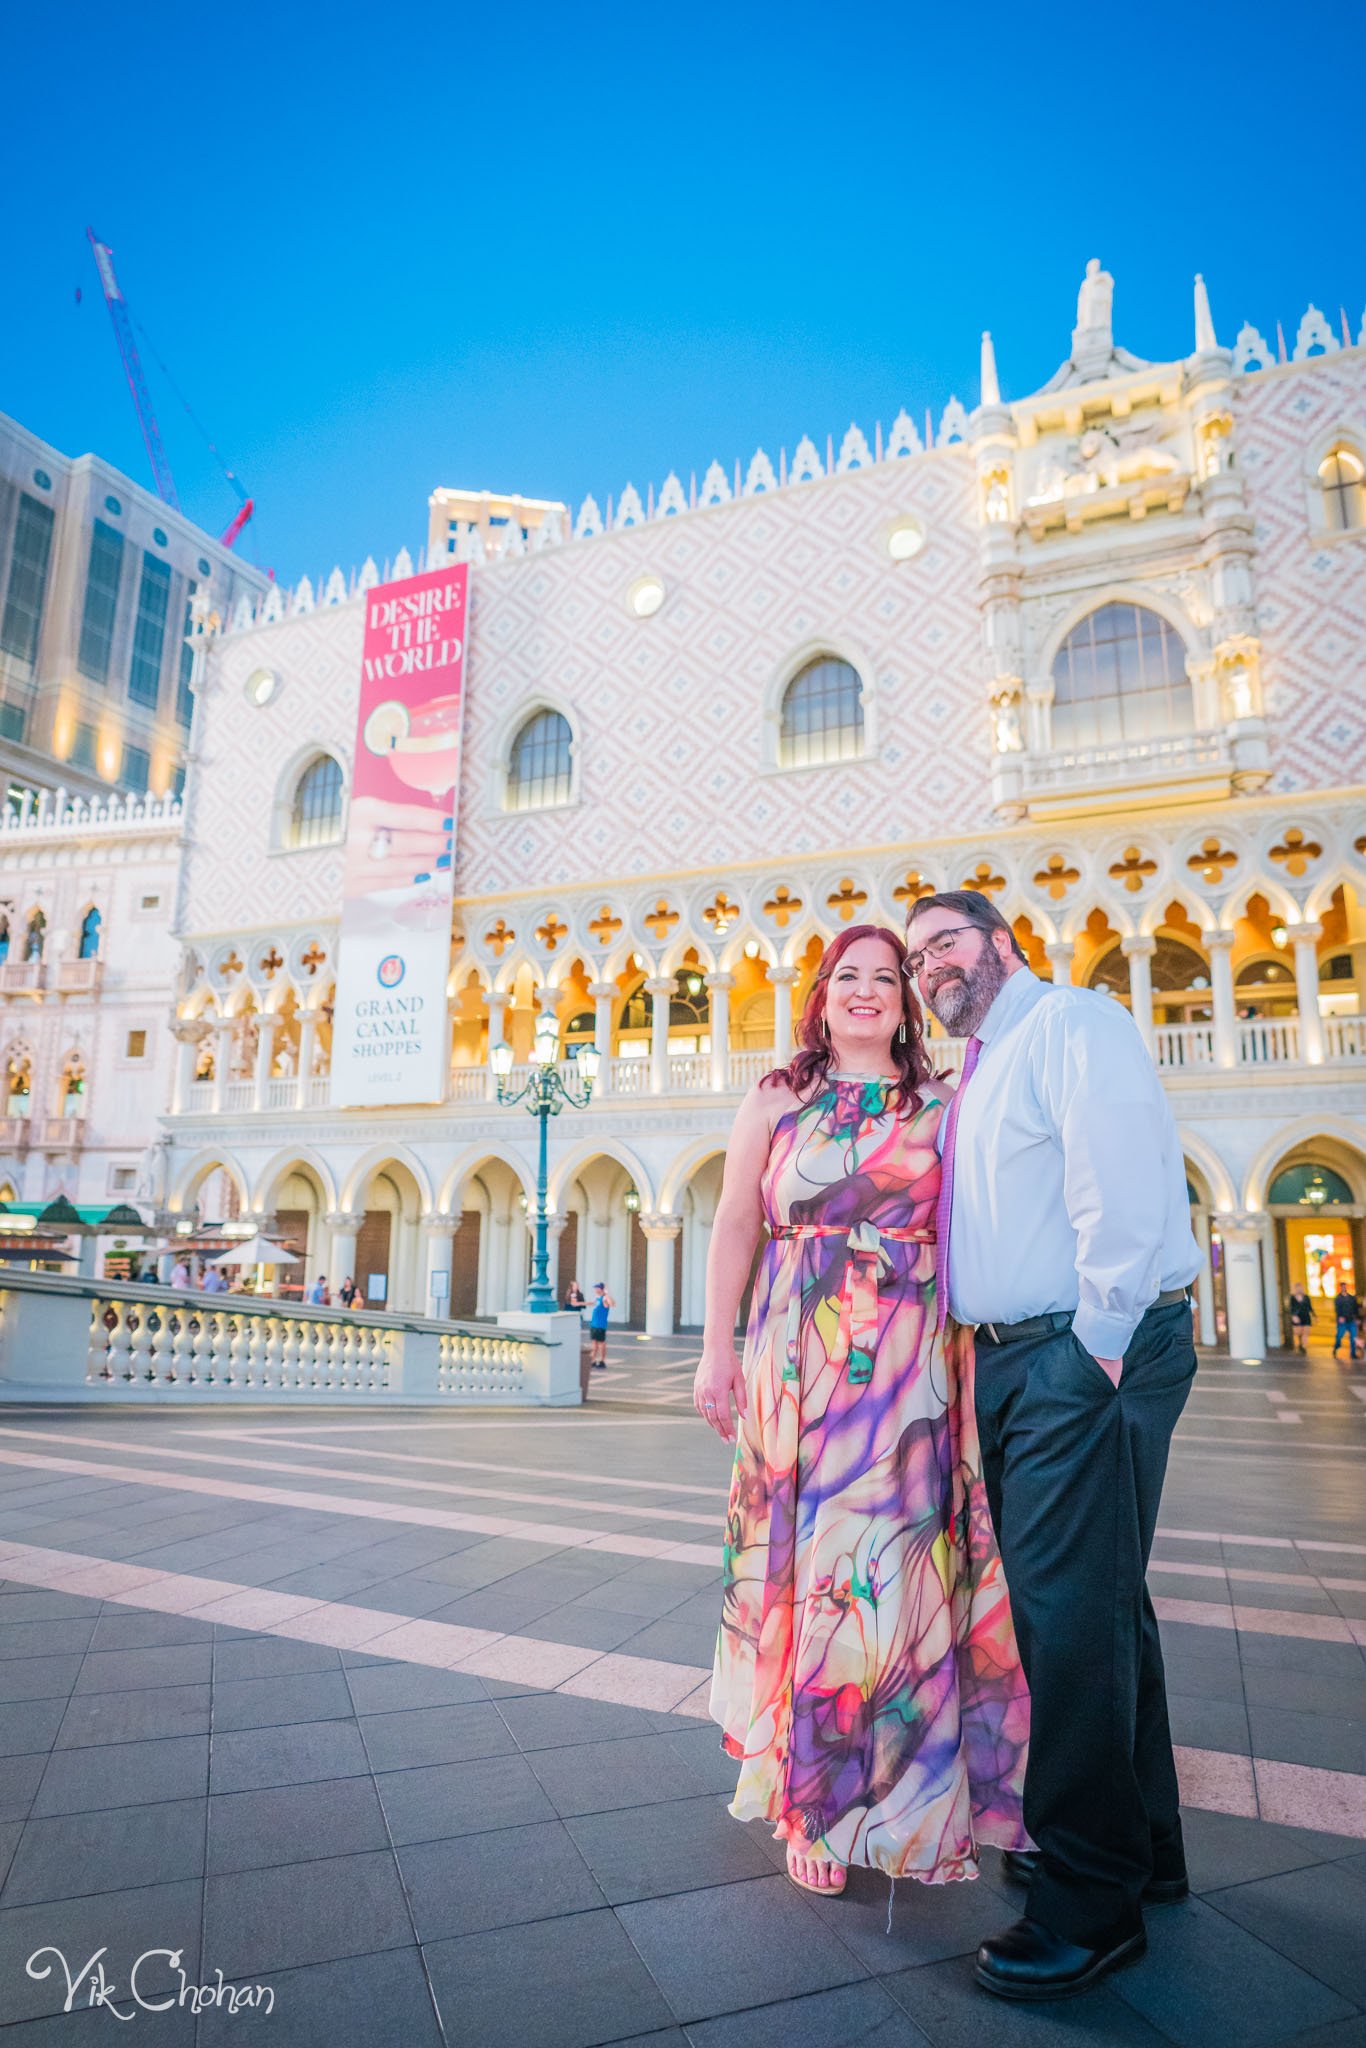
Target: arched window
90,935
37,932
18,1082
1120,675
1310,1186
4,940
1180,981
1342,479
539,765
315,814
73,1086
822,714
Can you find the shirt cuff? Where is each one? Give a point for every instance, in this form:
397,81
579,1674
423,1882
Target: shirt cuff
1103,1336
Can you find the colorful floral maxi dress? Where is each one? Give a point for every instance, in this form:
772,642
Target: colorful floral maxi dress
866,1671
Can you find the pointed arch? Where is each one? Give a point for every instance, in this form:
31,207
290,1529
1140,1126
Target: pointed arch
374,1161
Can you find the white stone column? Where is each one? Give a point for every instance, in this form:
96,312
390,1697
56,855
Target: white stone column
343,1230
497,1003
1271,1285
1241,1237
222,1060
660,991
1304,938
438,1237
266,1026
187,1036
783,980
1220,947
719,987
604,994
308,1040
1204,1284
659,1232
1060,954
1139,954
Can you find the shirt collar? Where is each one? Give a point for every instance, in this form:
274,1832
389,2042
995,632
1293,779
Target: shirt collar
1017,995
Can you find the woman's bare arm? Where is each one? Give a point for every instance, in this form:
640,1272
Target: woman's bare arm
735,1232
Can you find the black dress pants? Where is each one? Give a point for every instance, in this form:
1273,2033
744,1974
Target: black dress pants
1074,1471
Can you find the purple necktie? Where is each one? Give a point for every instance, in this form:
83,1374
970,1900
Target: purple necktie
943,1211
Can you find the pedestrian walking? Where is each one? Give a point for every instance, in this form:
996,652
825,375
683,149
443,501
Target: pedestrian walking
1301,1312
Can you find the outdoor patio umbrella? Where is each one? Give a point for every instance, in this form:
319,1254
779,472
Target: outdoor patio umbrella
255,1251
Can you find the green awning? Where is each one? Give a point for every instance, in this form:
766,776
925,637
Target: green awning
116,1217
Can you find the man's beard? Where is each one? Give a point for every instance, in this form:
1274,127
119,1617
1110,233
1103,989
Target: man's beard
961,1002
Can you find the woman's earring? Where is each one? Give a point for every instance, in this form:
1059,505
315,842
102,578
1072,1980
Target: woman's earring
902,1033
825,1027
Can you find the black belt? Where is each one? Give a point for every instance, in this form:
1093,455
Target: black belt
1051,1325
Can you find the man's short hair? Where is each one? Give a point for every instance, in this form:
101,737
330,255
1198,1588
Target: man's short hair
969,906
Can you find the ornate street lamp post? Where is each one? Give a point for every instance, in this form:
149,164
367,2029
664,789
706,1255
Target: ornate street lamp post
545,1095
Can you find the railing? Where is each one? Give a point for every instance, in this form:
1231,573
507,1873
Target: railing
19,975
13,1133
83,1340
477,1366
1177,754
469,1084
62,1133
77,977
630,1077
1181,1046
1177,1048
1268,1040
1344,1038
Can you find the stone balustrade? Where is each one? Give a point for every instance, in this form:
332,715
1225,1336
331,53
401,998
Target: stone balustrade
66,1339
1178,1049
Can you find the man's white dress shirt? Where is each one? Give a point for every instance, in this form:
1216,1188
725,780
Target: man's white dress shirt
1069,1189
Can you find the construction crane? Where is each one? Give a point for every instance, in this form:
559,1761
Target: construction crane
142,397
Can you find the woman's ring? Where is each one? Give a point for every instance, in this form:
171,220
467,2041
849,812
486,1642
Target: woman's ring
709,1404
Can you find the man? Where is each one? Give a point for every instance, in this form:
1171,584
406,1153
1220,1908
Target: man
180,1274
317,1293
1345,1320
603,1304
1069,1246
215,1282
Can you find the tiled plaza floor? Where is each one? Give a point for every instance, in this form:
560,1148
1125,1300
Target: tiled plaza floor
401,1714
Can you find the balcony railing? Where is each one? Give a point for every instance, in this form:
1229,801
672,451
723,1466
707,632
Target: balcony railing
1174,756
16,976
13,1133
1258,1042
77,977
62,1133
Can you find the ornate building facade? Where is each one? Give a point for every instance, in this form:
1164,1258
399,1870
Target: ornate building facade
1099,651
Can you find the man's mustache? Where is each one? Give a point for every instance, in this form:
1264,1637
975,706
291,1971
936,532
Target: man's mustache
946,974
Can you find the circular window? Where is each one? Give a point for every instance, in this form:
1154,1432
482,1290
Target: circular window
262,684
42,479
204,567
645,596
904,539
159,536
113,505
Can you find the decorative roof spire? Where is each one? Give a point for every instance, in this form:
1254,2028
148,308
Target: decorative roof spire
991,389
1205,337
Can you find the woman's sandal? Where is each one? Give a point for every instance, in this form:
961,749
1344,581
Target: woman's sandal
822,1891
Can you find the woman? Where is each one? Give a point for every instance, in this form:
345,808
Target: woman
866,1671
1301,1315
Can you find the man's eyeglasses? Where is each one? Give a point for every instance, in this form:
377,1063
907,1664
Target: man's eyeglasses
937,948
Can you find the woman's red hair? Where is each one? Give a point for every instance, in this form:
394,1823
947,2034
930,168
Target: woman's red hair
805,1073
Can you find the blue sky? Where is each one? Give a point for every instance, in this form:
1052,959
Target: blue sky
557,250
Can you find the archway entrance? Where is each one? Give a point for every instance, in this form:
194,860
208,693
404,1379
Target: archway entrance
387,1249
1317,1196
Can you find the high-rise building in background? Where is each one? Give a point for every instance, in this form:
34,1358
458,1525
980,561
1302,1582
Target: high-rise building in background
96,579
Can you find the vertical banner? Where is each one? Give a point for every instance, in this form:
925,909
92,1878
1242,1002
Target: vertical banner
389,1036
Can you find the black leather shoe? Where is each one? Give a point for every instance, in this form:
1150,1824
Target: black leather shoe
1030,1961
1021,1864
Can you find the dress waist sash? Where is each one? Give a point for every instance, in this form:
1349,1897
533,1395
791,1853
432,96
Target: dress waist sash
867,1264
